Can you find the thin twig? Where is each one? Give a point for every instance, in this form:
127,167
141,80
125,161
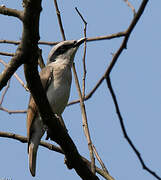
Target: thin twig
100,160
40,60
90,93
83,85
84,55
85,122
59,20
98,38
112,36
84,21
4,93
130,5
12,111
16,76
1,101
21,82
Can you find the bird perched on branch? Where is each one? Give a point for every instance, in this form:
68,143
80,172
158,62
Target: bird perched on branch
56,79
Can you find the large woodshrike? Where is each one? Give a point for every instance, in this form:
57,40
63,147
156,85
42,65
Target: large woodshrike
56,79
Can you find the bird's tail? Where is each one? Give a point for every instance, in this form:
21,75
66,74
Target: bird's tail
32,149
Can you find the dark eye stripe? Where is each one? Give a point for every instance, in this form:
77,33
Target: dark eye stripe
63,49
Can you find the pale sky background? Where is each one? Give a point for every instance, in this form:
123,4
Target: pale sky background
135,79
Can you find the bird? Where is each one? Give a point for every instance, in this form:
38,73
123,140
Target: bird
56,79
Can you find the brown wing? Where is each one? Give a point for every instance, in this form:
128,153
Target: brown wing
46,76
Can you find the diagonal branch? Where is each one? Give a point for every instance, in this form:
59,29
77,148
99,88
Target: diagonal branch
100,160
56,132
16,76
126,38
107,76
59,20
51,147
85,122
4,93
124,130
90,93
13,65
126,35
130,5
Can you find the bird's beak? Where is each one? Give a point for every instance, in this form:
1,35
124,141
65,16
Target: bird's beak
80,41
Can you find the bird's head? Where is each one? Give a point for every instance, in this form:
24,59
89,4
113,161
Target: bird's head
64,50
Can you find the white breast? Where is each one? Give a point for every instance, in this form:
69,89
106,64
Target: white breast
59,90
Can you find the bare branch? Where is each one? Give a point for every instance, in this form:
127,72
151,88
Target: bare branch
107,76
21,82
112,36
124,130
130,5
107,37
18,42
59,20
100,160
4,93
11,12
23,139
10,42
16,76
117,54
12,111
48,43
51,147
84,21
84,55
13,65
6,54
126,38
91,92
40,60
85,122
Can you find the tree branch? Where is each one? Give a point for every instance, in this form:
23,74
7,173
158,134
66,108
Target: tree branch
51,147
130,5
85,122
56,132
126,35
16,76
90,93
6,54
98,38
124,130
11,12
4,93
12,111
84,55
59,20
107,76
